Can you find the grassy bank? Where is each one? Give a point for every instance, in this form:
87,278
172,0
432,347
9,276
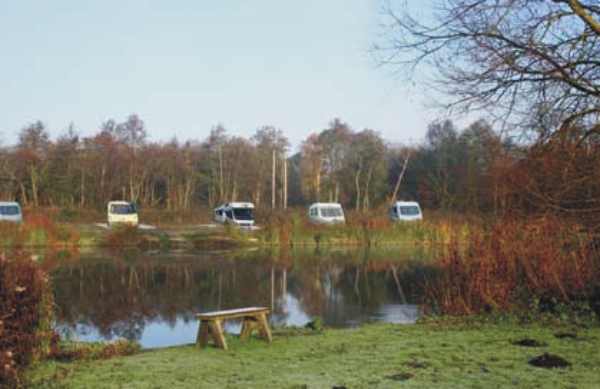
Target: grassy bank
374,228
441,355
82,229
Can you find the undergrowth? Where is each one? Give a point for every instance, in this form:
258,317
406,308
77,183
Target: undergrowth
37,231
70,351
25,317
365,229
543,265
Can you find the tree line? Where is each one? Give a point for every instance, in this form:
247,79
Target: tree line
451,169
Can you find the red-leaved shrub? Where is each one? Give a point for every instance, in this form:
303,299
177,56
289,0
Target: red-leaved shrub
505,268
25,317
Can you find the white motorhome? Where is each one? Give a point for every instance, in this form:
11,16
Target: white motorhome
122,212
10,211
406,211
238,213
326,213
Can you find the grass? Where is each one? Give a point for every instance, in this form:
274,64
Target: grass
441,355
360,229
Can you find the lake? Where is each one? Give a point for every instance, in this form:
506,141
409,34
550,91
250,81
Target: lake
153,297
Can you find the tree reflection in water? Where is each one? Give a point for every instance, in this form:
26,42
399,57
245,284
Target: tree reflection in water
113,296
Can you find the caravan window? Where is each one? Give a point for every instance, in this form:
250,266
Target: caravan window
229,214
409,210
331,212
122,209
243,213
313,212
393,211
9,210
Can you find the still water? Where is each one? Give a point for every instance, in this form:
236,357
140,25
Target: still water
153,297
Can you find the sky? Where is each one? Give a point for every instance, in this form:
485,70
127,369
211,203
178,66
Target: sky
184,66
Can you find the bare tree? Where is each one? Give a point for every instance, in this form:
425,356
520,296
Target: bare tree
515,59
34,143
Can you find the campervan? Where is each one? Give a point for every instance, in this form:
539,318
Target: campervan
238,213
405,211
10,211
122,212
327,213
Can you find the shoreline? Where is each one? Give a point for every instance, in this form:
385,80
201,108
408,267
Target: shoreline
91,236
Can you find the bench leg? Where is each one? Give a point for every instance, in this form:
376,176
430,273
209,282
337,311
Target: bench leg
248,325
216,330
202,338
245,332
263,327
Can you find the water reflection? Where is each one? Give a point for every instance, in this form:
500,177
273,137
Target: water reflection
154,298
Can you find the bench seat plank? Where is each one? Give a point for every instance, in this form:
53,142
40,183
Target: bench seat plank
231,313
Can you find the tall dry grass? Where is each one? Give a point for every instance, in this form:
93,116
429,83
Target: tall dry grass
514,265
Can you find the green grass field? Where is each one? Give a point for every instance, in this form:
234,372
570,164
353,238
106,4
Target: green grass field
371,356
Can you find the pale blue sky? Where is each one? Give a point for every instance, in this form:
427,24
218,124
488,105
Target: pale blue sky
185,66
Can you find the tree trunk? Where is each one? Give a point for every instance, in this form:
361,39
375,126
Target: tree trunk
318,184
234,190
273,179
102,183
285,183
366,203
282,189
82,189
257,195
357,186
34,188
221,173
400,177
24,194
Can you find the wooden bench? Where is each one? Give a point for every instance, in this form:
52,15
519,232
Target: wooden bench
211,325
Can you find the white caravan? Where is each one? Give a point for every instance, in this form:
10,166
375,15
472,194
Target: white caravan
326,213
122,212
238,213
10,211
406,211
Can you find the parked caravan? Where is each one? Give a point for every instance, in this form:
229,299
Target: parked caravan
326,213
238,213
406,211
10,211
122,212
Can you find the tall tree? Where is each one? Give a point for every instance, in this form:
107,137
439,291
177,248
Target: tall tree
132,135
271,145
365,163
519,59
335,144
65,169
33,148
311,167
